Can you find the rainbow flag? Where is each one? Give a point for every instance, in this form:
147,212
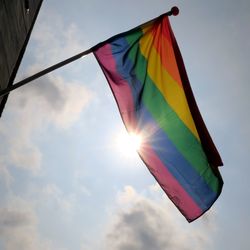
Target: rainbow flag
146,73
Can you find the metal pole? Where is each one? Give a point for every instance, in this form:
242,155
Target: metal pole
174,11
44,72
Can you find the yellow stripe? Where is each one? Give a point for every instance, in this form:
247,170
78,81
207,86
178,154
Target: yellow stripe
170,89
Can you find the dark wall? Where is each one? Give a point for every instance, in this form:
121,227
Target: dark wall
17,18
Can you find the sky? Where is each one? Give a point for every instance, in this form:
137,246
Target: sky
64,183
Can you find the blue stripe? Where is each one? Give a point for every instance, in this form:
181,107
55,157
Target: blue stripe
176,164
120,49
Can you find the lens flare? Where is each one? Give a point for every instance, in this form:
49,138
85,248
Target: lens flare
128,143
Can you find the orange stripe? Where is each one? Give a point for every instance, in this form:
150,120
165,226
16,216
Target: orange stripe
162,43
164,47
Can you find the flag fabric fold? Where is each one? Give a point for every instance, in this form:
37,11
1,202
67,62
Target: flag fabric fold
146,74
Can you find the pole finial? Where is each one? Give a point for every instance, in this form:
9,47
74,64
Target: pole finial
175,11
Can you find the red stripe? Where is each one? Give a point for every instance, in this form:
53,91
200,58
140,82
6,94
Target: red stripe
169,184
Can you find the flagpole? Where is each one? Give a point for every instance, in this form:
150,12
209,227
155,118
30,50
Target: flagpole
174,11
44,72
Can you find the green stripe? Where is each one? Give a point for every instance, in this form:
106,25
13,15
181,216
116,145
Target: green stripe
173,126
176,131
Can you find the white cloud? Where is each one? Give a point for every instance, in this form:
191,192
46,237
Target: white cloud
30,113
53,194
19,227
56,100
127,196
152,223
54,40
79,181
50,101
5,176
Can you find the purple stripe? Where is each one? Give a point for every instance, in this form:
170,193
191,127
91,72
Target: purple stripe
118,85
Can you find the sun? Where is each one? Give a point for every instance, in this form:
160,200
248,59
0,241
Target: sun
128,143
